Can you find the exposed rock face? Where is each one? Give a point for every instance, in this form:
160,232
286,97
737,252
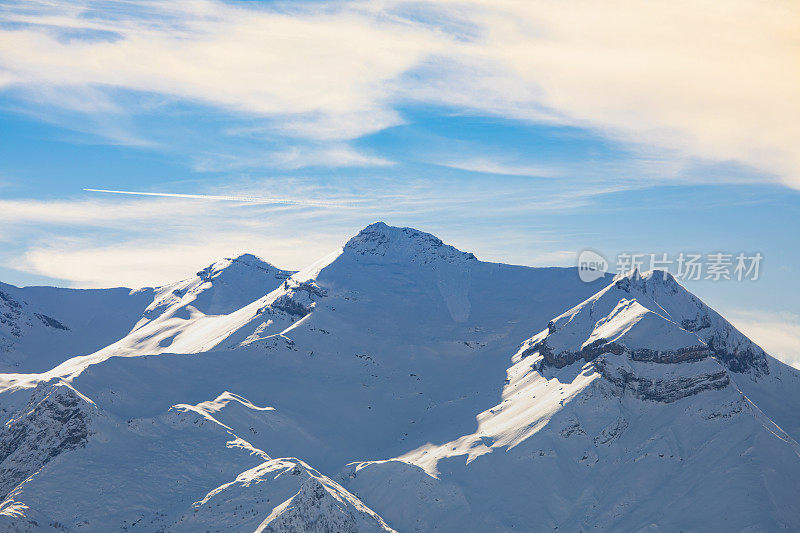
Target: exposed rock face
220,288
682,355
282,496
10,314
599,347
56,419
739,354
312,509
640,323
649,317
697,323
50,321
298,300
16,316
565,357
245,264
730,346
662,389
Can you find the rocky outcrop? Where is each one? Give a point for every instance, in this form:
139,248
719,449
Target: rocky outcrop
298,299
312,509
56,419
566,357
16,316
282,496
650,317
50,321
681,355
10,314
737,352
661,389
728,344
245,264
601,346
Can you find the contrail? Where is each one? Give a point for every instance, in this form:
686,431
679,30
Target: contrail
249,199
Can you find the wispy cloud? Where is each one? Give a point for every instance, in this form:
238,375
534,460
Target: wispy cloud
705,80
318,73
491,166
126,240
138,238
331,155
89,212
140,263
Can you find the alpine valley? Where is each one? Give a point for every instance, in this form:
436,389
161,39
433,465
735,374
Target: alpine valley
398,384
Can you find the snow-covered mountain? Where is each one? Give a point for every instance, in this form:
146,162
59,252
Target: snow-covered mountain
41,327
397,384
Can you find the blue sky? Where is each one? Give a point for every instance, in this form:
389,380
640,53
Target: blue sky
523,132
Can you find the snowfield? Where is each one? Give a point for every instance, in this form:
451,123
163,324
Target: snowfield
398,384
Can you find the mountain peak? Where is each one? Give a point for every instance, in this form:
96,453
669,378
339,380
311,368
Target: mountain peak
221,288
651,313
651,283
240,264
383,243
630,274
648,276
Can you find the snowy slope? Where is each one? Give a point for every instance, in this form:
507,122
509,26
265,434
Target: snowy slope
218,289
643,311
601,461
158,466
280,495
41,327
399,368
607,418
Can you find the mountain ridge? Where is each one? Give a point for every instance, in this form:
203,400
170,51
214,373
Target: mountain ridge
417,381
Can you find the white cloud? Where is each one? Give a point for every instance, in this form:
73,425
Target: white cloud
113,240
704,79
151,242
777,333
147,263
327,73
491,166
713,80
113,214
333,155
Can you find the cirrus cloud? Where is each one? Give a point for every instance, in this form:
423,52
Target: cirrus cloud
700,79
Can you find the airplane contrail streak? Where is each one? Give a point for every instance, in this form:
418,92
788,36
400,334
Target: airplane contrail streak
248,199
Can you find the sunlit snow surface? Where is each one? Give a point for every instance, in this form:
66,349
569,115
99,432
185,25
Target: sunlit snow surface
397,384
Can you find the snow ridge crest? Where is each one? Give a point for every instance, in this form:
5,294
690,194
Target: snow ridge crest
382,243
241,264
650,317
